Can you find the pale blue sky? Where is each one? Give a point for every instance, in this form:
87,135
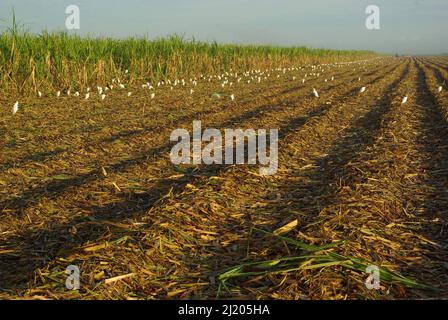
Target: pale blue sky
407,26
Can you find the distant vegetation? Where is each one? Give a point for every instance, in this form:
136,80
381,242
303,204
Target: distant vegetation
58,60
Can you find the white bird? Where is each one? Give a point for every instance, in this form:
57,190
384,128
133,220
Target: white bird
39,94
87,96
232,96
439,89
316,94
191,91
103,96
58,94
15,108
129,94
404,100
153,95
362,90
76,94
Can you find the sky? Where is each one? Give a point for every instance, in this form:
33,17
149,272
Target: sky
406,26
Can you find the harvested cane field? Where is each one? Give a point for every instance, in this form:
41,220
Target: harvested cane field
86,178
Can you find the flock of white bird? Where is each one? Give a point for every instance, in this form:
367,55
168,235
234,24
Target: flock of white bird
227,79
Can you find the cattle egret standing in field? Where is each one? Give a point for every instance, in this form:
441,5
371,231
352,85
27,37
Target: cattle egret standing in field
404,100
232,97
129,94
316,94
362,90
87,96
15,108
39,94
439,89
153,95
58,94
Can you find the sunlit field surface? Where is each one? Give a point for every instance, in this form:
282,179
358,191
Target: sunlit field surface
86,178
